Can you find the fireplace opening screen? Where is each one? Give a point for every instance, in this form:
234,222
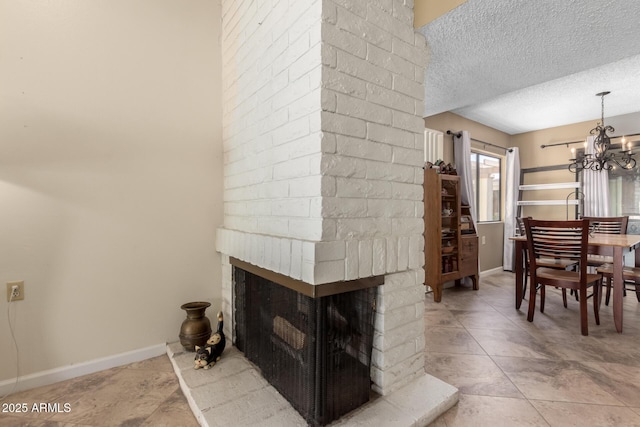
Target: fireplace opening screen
315,351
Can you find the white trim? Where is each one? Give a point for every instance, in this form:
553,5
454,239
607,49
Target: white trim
491,271
51,376
555,186
433,145
548,202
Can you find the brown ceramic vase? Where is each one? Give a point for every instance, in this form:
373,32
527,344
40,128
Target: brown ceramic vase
196,328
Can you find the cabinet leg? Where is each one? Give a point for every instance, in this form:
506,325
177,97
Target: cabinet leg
474,279
437,292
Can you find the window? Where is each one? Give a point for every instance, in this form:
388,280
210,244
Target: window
624,195
485,170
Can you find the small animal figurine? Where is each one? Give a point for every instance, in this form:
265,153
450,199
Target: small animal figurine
203,358
208,355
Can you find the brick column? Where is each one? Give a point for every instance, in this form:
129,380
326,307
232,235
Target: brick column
323,144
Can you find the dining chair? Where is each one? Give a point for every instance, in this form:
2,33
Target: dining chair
565,240
557,263
629,274
605,225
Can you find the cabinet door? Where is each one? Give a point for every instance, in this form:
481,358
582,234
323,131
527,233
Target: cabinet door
450,220
469,251
469,255
432,229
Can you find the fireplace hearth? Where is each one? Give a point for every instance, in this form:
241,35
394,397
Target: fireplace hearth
315,351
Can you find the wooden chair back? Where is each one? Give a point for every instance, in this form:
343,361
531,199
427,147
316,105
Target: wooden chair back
520,226
558,239
568,240
608,224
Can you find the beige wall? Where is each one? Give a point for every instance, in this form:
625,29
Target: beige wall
110,174
450,121
493,233
533,156
428,10
490,255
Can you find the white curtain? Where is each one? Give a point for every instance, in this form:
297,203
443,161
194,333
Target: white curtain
462,156
512,180
595,185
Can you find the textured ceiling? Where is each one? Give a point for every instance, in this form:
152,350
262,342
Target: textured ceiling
523,65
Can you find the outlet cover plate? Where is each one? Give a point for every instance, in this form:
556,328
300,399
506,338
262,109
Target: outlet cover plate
20,285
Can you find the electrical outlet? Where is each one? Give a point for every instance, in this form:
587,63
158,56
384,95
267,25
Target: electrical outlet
484,241
15,291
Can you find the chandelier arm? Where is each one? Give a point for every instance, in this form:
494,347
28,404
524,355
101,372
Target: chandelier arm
617,162
574,167
629,163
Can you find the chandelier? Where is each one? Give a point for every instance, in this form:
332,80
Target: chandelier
602,158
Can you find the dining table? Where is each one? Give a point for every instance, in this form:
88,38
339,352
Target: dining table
620,243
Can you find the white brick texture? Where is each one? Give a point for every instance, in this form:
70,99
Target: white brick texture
322,156
272,90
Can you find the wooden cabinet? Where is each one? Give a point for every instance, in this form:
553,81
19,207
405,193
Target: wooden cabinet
451,243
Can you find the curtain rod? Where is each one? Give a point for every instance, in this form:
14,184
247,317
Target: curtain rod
459,134
582,142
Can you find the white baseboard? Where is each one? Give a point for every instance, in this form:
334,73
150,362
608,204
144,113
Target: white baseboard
492,271
55,375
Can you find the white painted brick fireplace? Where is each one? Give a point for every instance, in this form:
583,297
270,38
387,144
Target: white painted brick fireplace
323,140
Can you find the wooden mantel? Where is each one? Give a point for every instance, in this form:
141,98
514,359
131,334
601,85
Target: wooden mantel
313,291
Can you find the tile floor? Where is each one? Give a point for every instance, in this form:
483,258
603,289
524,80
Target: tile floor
509,372
513,373
145,393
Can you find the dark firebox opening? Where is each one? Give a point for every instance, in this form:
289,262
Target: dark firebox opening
315,351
